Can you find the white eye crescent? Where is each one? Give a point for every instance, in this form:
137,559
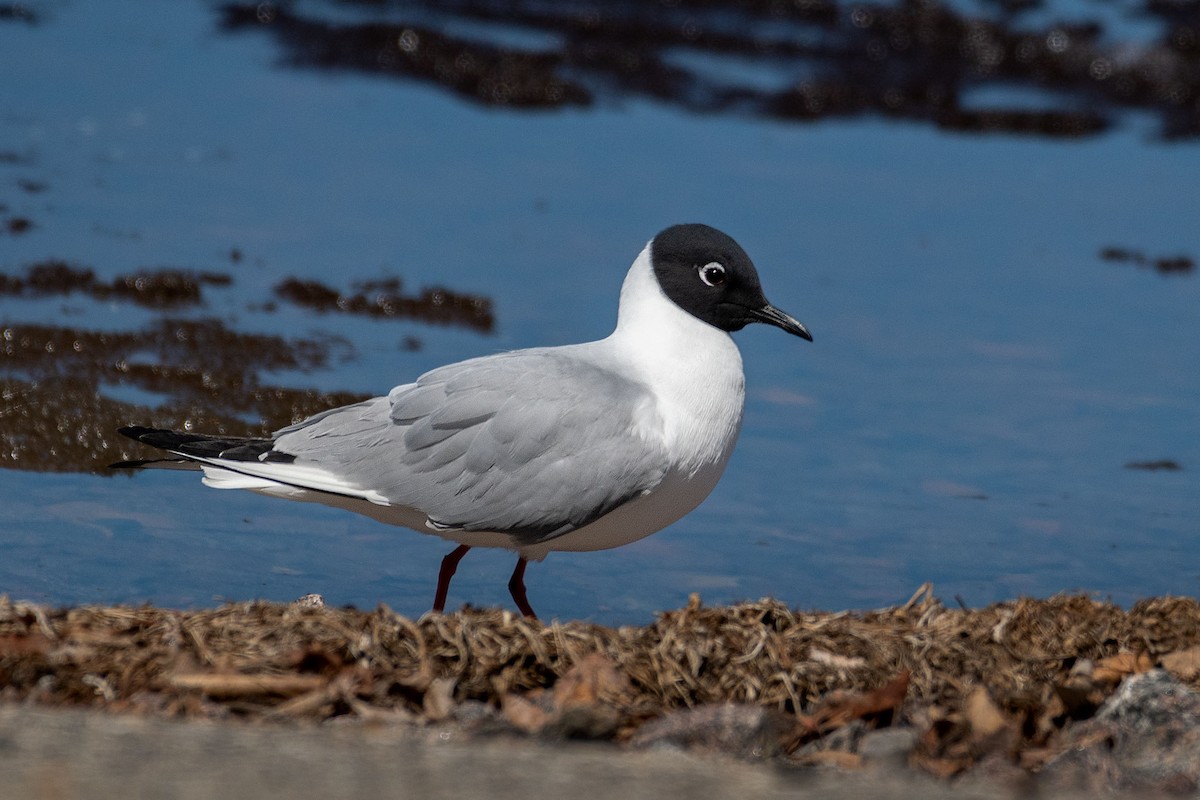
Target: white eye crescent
712,273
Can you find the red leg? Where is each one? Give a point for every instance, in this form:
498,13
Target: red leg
449,565
516,587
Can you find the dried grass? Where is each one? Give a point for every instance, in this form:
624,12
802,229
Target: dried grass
269,661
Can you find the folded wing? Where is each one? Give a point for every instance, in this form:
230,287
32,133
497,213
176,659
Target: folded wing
528,443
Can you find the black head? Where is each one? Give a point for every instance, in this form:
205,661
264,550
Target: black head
709,275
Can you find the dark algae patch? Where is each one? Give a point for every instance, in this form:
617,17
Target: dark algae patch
483,72
57,416
65,390
18,12
18,225
1163,464
1021,686
386,299
151,288
13,157
1163,265
922,61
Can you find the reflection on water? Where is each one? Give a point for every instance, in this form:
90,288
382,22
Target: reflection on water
916,60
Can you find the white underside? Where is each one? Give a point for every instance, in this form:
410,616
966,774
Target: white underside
677,495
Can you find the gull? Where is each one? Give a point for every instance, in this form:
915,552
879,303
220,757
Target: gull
579,447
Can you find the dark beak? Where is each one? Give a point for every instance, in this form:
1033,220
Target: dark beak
773,316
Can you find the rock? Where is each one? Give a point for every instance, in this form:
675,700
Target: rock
584,703
742,731
845,739
1146,736
472,712
583,722
888,747
472,719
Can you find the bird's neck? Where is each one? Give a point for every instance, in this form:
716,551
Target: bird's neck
694,368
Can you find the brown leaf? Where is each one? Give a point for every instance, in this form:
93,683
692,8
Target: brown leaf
844,708
593,679
25,644
438,701
840,708
991,730
738,730
1183,664
983,715
523,713
1115,668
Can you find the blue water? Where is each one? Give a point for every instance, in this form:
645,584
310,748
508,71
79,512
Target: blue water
979,378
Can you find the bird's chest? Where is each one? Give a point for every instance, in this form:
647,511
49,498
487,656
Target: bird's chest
700,402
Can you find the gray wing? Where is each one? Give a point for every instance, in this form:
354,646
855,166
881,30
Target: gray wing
532,443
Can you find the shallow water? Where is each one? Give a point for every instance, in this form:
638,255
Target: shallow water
980,379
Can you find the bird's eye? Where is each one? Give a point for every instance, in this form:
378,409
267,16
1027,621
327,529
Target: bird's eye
713,274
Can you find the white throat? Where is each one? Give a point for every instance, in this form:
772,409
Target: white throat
694,368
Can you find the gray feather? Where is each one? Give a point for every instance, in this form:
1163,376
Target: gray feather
533,443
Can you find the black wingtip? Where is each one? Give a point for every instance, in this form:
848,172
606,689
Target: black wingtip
137,464
163,438
136,432
155,463
202,445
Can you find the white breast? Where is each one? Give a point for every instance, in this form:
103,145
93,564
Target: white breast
695,373
693,368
